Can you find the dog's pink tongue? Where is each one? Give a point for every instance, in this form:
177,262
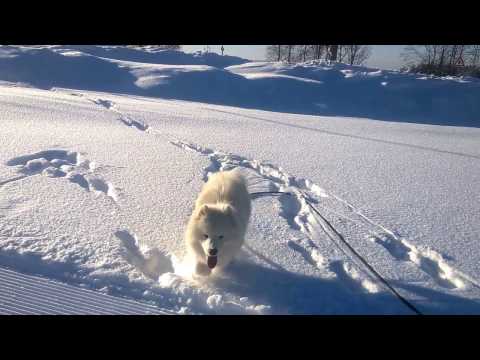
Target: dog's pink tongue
211,261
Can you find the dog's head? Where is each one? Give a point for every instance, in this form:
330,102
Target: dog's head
215,226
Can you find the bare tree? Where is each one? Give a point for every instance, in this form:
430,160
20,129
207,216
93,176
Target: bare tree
443,59
357,54
442,50
413,54
435,55
290,49
353,54
301,53
342,53
281,52
304,51
473,55
313,52
453,54
275,52
318,51
333,51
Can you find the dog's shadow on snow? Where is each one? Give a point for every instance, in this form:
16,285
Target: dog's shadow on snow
286,292
292,293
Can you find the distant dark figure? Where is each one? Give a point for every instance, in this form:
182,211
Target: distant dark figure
222,48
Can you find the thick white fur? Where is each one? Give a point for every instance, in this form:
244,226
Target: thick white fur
222,208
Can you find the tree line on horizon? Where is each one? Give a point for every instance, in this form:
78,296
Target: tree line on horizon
350,54
441,60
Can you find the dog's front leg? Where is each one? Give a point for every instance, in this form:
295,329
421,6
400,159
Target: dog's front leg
202,269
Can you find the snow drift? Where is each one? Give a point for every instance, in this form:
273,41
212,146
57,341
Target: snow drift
314,88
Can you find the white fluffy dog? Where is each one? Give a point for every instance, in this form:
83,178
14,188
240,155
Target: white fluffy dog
217,227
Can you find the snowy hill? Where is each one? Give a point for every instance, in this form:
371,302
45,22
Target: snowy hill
309,88
102,158
155,55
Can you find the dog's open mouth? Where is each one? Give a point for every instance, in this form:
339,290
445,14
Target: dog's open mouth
212,261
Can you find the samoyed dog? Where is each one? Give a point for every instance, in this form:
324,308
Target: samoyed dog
216,229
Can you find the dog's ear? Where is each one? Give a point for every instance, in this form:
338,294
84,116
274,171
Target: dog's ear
230,211
204,209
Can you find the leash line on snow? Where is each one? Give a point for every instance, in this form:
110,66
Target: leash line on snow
342,239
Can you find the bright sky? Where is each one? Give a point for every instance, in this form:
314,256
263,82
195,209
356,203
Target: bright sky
383,56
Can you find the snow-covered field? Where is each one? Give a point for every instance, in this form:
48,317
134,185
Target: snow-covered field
104,150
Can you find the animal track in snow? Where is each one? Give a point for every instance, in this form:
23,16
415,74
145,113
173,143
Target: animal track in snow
163,269
151,262
350,276
294,208
105,103
110,105
299,216
58,163
311,255
429,261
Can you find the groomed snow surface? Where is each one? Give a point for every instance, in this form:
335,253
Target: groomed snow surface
104,150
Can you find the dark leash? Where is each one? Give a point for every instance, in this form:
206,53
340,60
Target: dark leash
342,239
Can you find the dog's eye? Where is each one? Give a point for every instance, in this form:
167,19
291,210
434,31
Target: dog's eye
220,237
205,236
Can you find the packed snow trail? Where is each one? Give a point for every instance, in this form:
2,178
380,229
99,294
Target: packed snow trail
22,294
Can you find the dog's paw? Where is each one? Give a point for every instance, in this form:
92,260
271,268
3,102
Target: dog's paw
202,269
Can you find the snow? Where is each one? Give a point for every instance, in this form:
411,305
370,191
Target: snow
104,150
314,88
23,294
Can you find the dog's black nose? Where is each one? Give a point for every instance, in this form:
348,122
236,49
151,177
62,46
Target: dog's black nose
212,252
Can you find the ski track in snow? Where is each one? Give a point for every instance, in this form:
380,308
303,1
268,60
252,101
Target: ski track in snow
65,164
300,217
